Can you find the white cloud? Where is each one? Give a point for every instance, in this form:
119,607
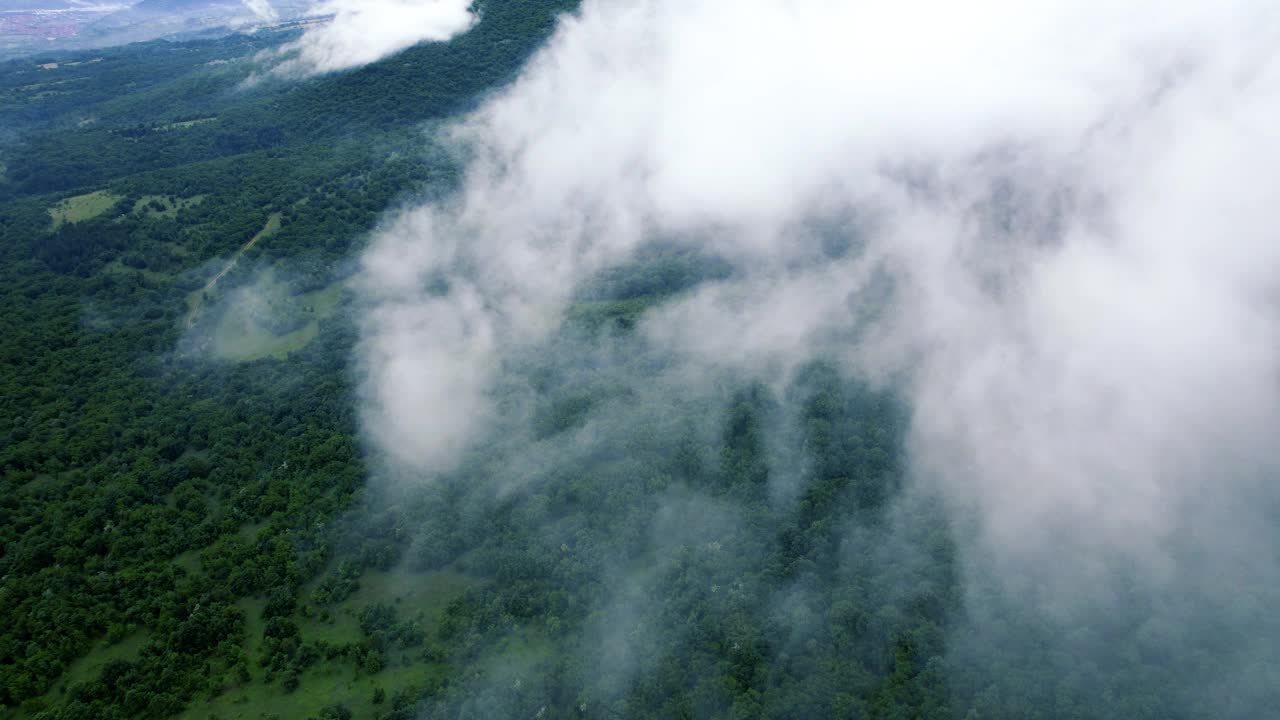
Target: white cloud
262,10
1073,201
365,31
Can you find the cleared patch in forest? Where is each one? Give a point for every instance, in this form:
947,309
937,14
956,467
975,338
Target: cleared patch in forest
415,596
253,626
165,206
196,301
39,86
117,267
242,339
266,320
319,687
190,562
82,207
89,667
420,596
186,124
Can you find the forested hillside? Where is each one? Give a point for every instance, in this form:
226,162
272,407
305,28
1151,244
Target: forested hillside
171,450
194,523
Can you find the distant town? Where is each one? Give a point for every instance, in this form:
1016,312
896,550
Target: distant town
45,24
55,25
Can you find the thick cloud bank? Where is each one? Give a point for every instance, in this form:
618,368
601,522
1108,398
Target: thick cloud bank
364,31
1051,224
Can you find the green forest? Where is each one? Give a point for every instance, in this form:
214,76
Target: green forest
192,525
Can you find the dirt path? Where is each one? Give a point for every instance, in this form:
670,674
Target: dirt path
196,301
273,224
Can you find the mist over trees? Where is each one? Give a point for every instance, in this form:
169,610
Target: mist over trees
646,360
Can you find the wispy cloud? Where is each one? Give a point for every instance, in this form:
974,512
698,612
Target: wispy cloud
262,10
364,31
1069,206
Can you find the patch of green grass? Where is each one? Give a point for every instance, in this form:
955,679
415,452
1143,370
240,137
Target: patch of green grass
325,301
197,299
116,267
186,124
421,596
88,667
337,625
519,655
242,339
415,596
244,332
38,86
320,686
165,206
82,207
41,483
525,649
189,561
253,625
265,320
428,592
249,531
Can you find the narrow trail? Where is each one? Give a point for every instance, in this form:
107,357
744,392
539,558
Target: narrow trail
273,224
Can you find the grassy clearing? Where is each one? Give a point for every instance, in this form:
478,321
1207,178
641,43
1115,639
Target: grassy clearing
525,648
186,124
242,339
41,483
325,301
429,591
196,300
419,596
249,532
320,687
253,625
116,267
249,327
90,666
38,86
165,206
260,321
339,626
415,595
189,561
82,207
81,670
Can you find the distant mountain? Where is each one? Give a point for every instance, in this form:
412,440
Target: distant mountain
20,6
33,26
164,17
185,6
